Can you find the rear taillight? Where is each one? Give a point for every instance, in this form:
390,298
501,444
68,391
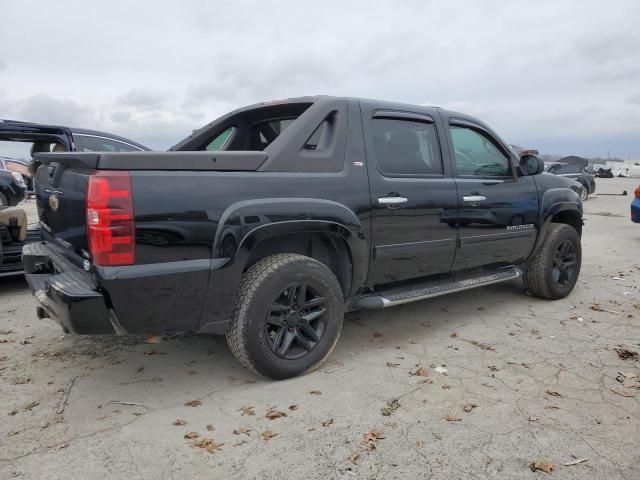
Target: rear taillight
638,192
110,224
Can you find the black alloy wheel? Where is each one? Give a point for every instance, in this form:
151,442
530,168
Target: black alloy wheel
564,263
296,321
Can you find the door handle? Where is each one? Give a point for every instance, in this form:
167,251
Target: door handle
392,200
474,198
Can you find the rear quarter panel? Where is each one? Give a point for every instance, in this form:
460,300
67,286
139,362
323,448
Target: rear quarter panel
194,232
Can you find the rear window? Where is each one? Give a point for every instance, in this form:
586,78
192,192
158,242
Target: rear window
263,133
251,129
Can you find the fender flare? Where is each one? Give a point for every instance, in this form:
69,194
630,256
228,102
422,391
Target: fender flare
555,201
251,222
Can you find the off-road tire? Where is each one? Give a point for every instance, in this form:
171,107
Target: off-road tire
539,276
260,286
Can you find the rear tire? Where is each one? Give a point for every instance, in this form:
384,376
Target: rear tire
553,271
288,316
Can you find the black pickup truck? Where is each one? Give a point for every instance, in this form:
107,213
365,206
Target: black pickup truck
270,222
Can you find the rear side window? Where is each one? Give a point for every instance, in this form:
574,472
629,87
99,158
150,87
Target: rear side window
221,140
86,143
477,154
406,147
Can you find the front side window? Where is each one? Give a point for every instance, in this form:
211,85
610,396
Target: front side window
86,143
476,154
406,147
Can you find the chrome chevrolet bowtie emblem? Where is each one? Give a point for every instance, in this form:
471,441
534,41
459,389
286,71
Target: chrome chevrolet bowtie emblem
54,203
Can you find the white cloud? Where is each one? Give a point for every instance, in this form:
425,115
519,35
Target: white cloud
558,74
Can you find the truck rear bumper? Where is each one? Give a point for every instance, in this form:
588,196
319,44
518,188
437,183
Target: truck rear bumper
65,292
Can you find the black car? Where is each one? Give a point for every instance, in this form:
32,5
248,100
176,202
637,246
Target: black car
575,171
272,221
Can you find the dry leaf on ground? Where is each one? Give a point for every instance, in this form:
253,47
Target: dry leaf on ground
293,407
242,431
315,392
392,365
209,445
453,418
542,466
211,428
469,406
420,372
247,410
193,403
272,413
353,458
241,442
370,439
553,393
179,421
191,435
267,434
327,422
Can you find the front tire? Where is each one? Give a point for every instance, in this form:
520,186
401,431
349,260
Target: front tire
584,194
553,271
288,316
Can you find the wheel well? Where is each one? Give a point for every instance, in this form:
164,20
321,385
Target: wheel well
328,249
569,218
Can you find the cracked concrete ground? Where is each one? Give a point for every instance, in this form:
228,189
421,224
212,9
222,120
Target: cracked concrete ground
541,374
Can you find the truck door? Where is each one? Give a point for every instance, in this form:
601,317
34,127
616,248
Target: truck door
413,196
497,211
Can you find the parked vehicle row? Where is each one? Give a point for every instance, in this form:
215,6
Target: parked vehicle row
269,223
576,172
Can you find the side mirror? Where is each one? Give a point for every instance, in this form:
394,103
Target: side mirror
531,165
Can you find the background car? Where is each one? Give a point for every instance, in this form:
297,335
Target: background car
602,171
12,188
52,138
20,166
635,207
576,172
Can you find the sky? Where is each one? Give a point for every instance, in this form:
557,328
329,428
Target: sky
560,76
